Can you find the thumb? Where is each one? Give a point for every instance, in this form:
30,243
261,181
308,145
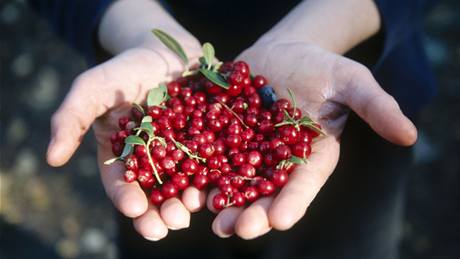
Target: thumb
379,109
70,122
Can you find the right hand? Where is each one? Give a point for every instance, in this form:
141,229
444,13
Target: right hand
100,96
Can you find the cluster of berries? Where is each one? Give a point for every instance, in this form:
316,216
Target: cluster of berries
230,133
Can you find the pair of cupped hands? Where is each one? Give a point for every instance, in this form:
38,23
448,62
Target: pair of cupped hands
327,86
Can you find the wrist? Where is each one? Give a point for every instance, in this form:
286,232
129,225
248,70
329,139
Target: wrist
334,25
127,24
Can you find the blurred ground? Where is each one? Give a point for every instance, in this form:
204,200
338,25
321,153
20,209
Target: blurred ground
63,213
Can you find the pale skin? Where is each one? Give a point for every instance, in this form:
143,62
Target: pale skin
302,52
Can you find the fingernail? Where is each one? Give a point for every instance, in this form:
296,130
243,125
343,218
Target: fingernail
152,238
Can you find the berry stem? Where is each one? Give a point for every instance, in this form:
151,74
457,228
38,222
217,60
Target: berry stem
155,172
187,151
232,112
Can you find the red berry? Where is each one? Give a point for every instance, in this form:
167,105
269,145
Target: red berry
265,187
247,170
186,92
233,140
289,134
169,190
123,121
137,114
259,81
130,176
159,152
168,165
200,181
173,88
241,67
235,89
238,159
280,178
237,181
214,162
155,112
180,181
206,150
238,199
254,158
301,150
219,201
282,152
131,163
189,166
251,193
156,197
177,155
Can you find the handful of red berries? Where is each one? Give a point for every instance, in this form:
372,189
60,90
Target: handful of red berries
217,125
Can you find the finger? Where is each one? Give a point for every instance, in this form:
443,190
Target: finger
123,79
193,199
174,214
224,223
128,198
379,109
253,221
70,122
150,225
211,195
304,183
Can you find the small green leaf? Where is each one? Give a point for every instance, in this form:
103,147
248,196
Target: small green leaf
305,120
134,140
297,160
147,128
146,119
128,149
139,108
292,96
208,54
315,128
215,77
111,161
157,95
172,44
217,66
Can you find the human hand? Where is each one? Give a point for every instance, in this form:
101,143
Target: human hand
327,85
102,95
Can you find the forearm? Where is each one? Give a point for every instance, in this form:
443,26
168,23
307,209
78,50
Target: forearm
128,23
336,25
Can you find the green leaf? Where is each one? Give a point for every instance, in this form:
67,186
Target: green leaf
208,54
134,140
217,66
172,44
146,119
139,108
305,120
297,160
292,96
313,127
147,128
128,149
111,161
157,95
215,77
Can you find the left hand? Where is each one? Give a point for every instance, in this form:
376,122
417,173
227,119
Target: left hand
326,85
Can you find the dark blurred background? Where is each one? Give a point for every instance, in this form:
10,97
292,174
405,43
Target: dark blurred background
63,213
